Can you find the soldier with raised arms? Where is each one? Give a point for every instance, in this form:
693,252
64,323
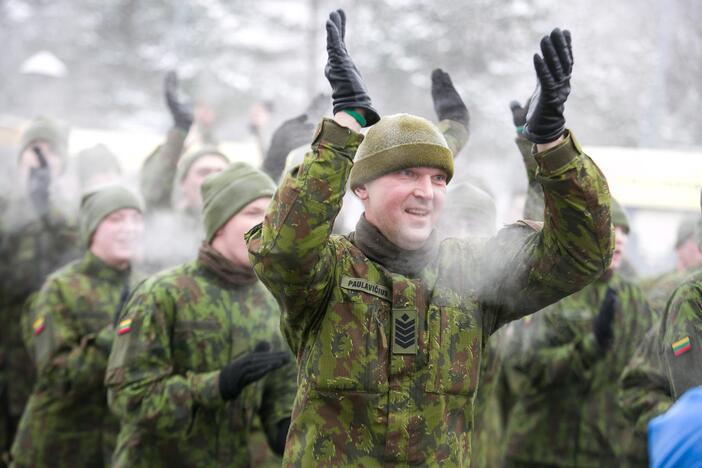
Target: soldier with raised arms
389,324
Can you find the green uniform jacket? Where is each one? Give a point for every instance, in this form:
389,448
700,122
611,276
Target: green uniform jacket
30,250
669,361
681,337
66,421
179,329
388,365
566,412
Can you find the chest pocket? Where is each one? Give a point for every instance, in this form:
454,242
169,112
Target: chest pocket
455,347
351,347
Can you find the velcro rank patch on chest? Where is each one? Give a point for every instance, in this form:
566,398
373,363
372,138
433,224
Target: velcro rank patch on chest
359,284
404,331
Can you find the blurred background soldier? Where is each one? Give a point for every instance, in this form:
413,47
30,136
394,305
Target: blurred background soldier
170,182
565,413
688,258
198,350
66,421
37,236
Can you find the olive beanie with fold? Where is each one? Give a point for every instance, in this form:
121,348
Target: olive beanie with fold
397,142
226,193
96,205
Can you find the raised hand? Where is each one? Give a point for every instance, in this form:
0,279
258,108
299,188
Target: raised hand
545,122
348,88
180,107
447,102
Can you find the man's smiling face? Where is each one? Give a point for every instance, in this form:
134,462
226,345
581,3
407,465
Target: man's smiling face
405,205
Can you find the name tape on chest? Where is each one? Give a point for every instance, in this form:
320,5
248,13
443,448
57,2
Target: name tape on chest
358,284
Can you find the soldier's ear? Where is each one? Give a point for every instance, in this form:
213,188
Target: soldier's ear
361,192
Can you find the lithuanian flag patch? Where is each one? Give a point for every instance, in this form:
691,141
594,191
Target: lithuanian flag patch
681,346
124,326
38,325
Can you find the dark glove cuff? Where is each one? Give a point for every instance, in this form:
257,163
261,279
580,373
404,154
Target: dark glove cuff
544,136
370,114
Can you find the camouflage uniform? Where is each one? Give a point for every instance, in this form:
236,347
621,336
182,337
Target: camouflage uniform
30,248
66,421
178,330
389,364
567,413
669,361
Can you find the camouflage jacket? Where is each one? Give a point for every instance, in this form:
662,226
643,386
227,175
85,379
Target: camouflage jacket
30,249
388,365
669,360
566,411
179,329
66,421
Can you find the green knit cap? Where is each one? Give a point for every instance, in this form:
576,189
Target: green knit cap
192,155
398,142
95,160
225,193
44,129
619,217
95,205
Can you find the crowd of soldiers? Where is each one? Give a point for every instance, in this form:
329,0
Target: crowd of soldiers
215,317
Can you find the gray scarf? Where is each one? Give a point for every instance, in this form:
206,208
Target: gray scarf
379,249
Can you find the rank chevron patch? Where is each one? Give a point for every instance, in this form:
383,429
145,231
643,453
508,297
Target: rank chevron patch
404,331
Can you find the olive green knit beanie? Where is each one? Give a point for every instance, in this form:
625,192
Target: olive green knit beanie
96,160
225,193
48,130
96,205
192,155
619,217
398,142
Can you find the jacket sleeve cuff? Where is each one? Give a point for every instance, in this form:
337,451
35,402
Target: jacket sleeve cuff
554,159
330,134
205,388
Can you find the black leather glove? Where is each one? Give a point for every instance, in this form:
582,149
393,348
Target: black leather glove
519,114
348,89
250,368
545,120
291,134
180,107
39,184
602,325
447,102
